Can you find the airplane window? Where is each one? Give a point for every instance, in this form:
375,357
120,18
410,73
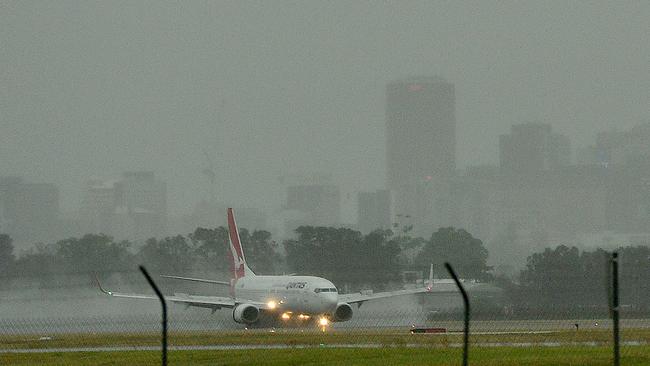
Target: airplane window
331,289
317,290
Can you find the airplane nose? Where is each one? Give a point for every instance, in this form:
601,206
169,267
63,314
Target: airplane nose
331,300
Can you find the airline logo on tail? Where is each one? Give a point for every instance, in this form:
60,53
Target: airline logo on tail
238,260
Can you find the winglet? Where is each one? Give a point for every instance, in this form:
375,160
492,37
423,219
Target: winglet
100,286
430,284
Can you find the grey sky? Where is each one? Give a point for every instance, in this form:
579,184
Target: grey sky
96,88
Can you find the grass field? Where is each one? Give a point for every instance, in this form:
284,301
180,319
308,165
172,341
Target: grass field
312,347
391,337
502,356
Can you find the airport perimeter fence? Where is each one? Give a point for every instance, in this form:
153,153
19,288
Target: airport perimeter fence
71,314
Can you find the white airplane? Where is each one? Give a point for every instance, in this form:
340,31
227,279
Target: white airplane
303,299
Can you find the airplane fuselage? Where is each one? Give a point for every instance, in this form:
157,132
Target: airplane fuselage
296,295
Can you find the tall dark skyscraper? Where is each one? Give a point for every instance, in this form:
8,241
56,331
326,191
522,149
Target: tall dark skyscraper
421,146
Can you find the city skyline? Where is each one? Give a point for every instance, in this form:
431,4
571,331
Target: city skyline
270,90
575,154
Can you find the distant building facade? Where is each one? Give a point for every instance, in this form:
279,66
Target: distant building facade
553,204
314,204
374,211
29,212
251,218
533,147
133,207
421,149
618,147
98,207
536,198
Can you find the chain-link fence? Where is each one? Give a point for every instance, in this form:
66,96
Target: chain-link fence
69,313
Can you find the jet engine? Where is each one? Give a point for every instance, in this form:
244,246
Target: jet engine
245,313
343,312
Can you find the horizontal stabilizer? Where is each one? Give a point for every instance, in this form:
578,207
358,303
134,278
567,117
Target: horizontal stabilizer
225,283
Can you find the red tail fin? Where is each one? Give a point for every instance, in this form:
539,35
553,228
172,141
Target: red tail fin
239,268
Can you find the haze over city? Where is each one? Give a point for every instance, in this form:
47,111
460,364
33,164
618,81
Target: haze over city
276,164
271,89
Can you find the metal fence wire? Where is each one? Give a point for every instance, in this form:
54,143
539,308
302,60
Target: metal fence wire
67,312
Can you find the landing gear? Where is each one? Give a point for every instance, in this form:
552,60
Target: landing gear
290,320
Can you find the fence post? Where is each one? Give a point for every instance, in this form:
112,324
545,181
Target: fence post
164,313
467,312
614,307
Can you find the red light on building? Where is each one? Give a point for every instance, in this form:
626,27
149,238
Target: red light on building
428,178
415,87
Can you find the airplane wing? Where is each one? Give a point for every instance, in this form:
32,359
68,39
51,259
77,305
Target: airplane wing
358,298
212,302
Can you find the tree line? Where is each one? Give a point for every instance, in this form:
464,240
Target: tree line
347,257
203,251
566,278
554,278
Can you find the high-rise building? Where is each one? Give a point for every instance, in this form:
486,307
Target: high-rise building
619,147
374,211
134,207
421,148
98,207
143,199
533,147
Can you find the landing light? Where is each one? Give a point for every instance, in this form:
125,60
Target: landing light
323,321
271,304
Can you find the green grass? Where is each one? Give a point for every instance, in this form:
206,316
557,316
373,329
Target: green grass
505,356
393,337
430,349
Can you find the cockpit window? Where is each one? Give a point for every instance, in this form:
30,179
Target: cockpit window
331,289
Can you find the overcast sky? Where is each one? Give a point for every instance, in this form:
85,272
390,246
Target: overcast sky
91,89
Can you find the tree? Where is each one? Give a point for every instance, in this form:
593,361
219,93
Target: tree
172,255
39,261
211,249
635,276
380,253
344,256
458,247
552,271
7,257
260,251
322,251
564,277
94,253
